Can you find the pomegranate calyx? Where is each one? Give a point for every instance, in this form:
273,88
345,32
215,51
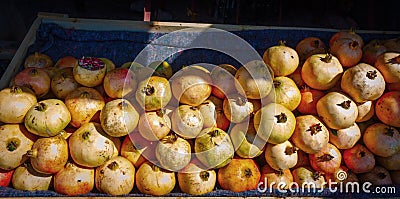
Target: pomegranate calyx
170,138
248,173
12,145
372,74
345,104
381,175
282,118
86,135
315,128
33,71
394,60
41,107
15,89
354,45
160,112
32,153
317,175
240,100
325,158
204,175
362,154
389,131
281,43
276,83
148,90
291,150
113,166
327,58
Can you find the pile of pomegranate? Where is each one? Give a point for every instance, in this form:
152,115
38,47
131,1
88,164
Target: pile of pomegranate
302,114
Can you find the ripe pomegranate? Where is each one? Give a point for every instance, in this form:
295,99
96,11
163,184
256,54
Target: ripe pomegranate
366,111
308,178
173,152
89,146
47,118
388,64
349,34
321,71
286,92
223,80
153,180
119,82
191,85
245,140
154,125
89,71
66,62
38,60
196,180
34,78
15,102
372,50
382,140
359,159
273,179
27,179
327,160
239,175
255,79
73,180
83,103
221,120
187,121
387,108
310,134
63,83
378,176
281,156
309,46
15,141
391,163
237,108
348,51
345,138
49,155
214,148
282,59
209,113
137,149
115,177
337,110
363,83
153,93
274,123
118,118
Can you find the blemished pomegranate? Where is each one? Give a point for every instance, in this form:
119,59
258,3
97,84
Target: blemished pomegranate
154,125
359,159
27,179
282,59
63,83
153,180
34,78
196,180
89,71
327,160
73,180
153,93
173,152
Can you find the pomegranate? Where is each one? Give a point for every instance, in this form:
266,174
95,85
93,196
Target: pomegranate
130,152
191,85
15,102
382,140
281,156
245,140
89,71
327,160
345,138
237,108
387,108
378,176
47,118
153,180
308,101
282,59
63,83
83,103
153,93
366,111
310,134
349,34
89,146
359,159
388,64
222,77
15,141
296,76
66,62
209,113
273,179
38,60
307,178
363,83
321,71
255,79
221,120
49,155
173,153
214,148
109,64
161,69
196,180
239,175
34,78
187,121
27,179
115,177
372,50
309,46
118,118
119,82
286,92
348,51
337,110
274,123
73,180
154,125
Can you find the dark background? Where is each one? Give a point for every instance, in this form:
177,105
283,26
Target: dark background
17,15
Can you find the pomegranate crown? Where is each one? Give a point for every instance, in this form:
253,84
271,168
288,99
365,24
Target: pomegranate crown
91,63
